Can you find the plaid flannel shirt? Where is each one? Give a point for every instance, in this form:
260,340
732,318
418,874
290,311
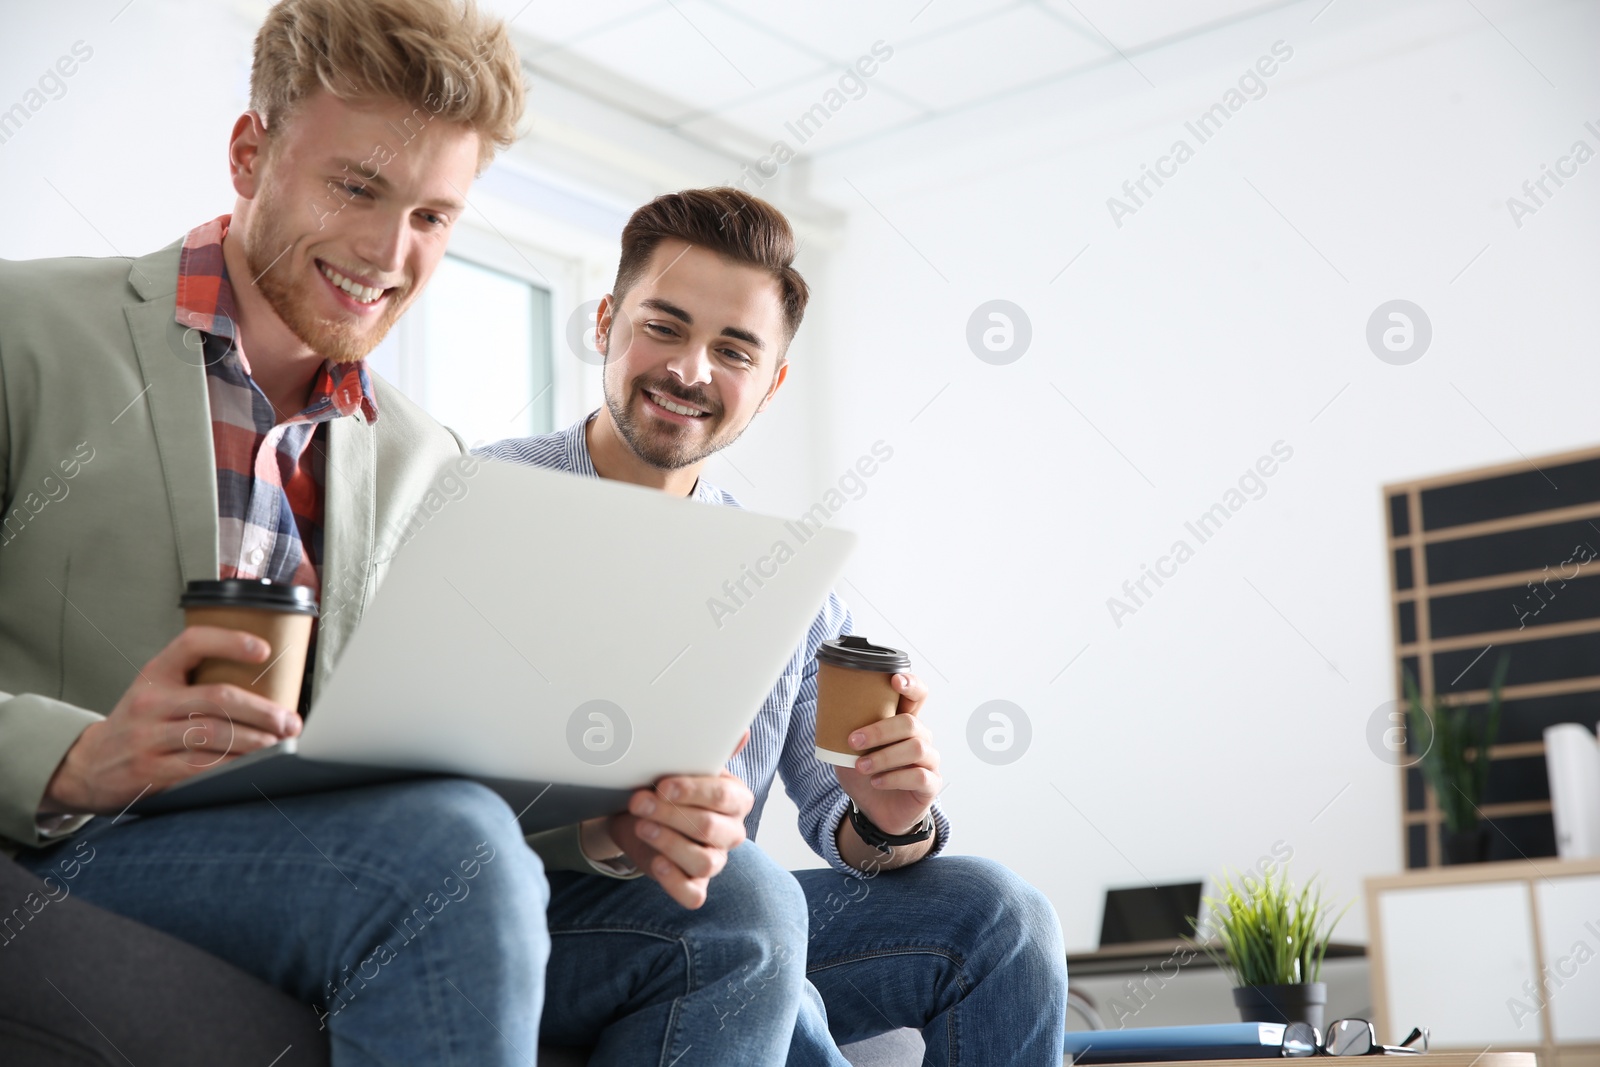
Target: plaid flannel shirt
270,471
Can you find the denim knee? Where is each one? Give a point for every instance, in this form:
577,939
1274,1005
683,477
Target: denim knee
440,840
761,910
1008,914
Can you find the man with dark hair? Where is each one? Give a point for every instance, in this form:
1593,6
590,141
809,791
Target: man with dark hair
696,334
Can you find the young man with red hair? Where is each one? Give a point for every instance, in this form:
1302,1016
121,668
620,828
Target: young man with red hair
211,406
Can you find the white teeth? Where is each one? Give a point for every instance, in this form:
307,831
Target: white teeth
677,409
365,294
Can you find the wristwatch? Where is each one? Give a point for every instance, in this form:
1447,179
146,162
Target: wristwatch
882,841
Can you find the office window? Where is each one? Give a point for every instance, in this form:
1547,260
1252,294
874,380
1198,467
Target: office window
475,352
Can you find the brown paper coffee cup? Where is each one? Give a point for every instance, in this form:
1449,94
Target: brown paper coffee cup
281,615
853,691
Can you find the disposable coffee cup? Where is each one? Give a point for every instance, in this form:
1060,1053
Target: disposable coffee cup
853,690
281,615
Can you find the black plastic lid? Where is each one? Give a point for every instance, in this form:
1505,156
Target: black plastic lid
245,593
857,653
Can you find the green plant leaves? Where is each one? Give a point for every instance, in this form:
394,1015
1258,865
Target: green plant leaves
1455,757
1266,933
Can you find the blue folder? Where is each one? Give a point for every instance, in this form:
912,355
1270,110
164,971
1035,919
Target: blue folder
1153,1044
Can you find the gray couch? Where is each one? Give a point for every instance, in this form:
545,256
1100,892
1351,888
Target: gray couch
82,987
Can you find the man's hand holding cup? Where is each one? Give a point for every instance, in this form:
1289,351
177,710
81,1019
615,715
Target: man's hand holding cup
869,728
228,684
897,781
165,728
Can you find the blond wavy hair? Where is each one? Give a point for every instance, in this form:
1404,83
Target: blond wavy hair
440,55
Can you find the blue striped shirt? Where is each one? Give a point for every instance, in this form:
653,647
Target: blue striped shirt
783,734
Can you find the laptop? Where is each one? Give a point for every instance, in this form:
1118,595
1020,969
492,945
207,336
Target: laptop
562,639
1149,913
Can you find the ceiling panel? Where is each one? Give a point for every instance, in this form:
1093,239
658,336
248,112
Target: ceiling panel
926,17
696,53
1132,25
832,30
841,30
736,72
778,116
1019,46
560,21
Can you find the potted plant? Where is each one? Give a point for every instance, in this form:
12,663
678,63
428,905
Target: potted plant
1455,761
1270,940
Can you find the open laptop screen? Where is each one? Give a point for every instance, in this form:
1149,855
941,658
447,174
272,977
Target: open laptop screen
1149,913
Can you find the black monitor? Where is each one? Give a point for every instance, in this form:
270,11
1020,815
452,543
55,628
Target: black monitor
1149,913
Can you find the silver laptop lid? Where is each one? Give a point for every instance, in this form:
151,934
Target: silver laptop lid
562,628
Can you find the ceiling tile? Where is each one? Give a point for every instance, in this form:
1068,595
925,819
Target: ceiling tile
841,30
927,17
693,52
559,21
1132,25
1011,49
801,117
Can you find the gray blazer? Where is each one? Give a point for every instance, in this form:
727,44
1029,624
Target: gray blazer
109,491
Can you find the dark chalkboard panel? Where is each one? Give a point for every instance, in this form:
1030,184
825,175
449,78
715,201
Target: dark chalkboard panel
1490,561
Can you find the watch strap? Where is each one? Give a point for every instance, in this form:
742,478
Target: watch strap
878,839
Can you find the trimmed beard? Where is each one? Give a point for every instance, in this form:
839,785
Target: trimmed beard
660,451
289,295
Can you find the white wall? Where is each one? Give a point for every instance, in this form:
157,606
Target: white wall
1228,713
1231,710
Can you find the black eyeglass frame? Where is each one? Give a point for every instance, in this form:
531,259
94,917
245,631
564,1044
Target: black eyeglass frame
1301,1039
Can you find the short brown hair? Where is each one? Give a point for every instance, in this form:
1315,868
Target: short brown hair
441,54
729,222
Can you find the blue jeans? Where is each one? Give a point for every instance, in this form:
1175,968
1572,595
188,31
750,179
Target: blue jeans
410,917
957,947
647,981
414,918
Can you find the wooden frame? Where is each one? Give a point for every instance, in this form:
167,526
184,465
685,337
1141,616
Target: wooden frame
1421,594
1528,872
1442,1059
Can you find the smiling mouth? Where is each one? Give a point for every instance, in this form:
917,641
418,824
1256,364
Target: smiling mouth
361,294
675,407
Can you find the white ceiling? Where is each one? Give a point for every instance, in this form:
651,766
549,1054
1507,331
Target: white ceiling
732,74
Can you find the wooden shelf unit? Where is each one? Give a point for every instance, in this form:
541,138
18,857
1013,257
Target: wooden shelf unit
1525,535
1441,958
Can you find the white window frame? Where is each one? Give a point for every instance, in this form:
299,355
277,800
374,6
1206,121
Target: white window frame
484,246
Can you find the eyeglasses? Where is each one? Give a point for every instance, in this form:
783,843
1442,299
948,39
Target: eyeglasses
1347,1037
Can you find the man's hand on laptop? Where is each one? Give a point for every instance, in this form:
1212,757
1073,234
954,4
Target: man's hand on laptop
680,832
897,780
164,730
